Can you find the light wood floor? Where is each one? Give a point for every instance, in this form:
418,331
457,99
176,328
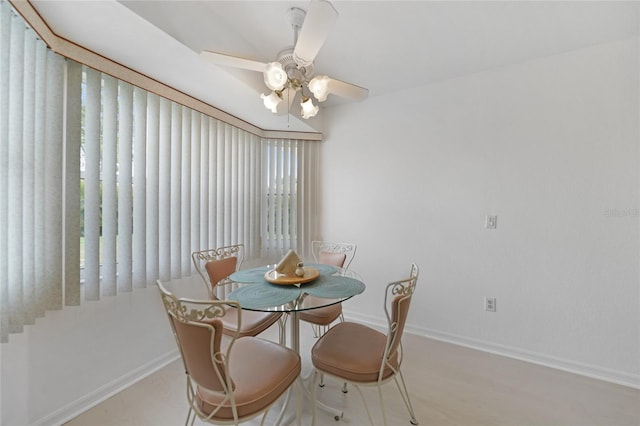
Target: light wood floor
450,385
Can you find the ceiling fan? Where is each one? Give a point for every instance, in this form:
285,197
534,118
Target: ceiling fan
293,70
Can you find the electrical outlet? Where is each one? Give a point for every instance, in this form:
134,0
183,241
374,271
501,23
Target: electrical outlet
490,304
491,222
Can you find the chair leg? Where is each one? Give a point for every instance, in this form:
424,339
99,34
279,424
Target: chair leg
321,384
405,396
298,386
314,374
190,399
283,410
366,406
384,414
316,330
186,422
344,385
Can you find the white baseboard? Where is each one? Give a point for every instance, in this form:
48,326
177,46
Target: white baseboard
94,398
600,373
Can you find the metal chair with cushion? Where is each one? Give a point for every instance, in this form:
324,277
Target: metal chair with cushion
336,254
227,382
215,266
361,355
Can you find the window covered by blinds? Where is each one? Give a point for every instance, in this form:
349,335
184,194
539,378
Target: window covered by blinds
105,187
289,196
32,90
159,182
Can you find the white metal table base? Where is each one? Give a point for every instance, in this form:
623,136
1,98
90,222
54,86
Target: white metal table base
295,345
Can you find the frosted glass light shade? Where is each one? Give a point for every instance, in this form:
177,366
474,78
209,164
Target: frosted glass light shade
275,77
271,101
308,109
319,86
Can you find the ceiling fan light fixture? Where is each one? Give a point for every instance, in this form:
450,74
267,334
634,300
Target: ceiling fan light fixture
308,108
272,101
293,70
275,77
319,86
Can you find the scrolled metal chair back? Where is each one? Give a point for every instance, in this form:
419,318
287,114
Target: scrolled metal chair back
348,250
397,301
198,331
216,264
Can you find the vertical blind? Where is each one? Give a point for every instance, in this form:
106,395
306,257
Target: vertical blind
192,182
31,185
105,187
289,197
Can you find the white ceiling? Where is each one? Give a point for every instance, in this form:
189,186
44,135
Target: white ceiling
384,46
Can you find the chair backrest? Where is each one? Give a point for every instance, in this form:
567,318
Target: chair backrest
336,254
215,265
397,301
198,332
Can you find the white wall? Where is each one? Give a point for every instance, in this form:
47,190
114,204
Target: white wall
76,357
551,146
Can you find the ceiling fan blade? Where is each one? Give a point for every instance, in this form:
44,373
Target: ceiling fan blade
347,90
232,61
316,26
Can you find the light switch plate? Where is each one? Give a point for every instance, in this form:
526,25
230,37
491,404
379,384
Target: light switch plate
491,222
490,304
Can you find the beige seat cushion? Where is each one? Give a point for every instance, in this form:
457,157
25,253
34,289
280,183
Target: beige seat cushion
353,352
252,323
335,259
261,371
321,316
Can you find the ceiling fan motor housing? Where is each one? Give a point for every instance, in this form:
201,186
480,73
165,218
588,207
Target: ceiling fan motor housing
294,71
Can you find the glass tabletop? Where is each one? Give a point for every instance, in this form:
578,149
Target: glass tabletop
254,292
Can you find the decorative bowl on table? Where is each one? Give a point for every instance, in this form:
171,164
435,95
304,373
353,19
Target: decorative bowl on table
274,277
291,271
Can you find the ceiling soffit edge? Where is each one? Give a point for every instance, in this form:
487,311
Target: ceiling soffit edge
74,51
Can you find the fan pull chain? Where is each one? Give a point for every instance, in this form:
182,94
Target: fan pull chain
288,110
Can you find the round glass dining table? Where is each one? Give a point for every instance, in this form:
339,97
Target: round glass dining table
252,290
